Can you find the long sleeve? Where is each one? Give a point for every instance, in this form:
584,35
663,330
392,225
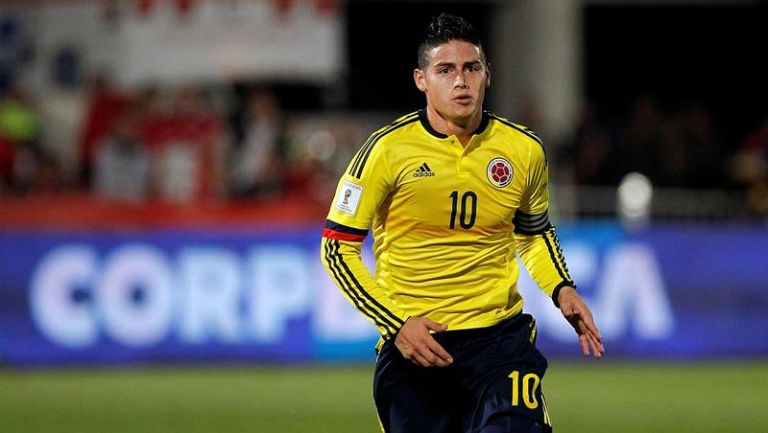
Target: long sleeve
361,191
535,237
543,257
341,259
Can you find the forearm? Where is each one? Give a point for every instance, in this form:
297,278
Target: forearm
342,261
543,258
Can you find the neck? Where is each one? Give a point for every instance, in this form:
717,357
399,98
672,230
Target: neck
461,128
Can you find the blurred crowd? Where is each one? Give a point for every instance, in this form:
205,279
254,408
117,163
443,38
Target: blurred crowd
178,145
169,144
675,148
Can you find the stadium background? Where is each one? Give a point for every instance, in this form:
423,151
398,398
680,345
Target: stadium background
165,167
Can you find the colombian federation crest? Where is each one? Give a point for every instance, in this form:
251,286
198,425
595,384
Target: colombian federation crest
499,172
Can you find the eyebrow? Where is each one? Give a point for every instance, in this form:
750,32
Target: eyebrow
473,62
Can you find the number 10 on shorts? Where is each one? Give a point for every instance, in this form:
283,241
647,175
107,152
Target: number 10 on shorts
527,387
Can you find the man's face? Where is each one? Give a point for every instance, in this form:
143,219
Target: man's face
454,80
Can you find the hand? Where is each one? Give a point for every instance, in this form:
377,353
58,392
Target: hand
416,344
577,313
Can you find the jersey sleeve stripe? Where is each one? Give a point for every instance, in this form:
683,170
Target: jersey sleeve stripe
560,254
372,140
555,254
386,326
331,258
356,160
529,133
522,129
341,228
389,316
531,224
367,151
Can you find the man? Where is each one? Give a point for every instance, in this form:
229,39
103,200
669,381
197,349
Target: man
452,192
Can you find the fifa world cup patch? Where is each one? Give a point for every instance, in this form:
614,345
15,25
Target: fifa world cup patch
500,172
349,197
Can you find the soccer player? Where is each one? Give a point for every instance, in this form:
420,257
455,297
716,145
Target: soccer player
452,194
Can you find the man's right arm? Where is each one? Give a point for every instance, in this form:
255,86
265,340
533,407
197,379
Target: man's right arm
361,190
341,257
365,185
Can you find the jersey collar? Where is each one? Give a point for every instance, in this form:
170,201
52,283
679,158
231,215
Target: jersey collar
425,123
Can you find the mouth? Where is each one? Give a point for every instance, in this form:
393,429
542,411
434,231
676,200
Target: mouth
463,99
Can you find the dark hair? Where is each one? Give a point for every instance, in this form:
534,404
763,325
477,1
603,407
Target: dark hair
445,28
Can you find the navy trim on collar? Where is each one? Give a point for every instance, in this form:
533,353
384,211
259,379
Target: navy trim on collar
483,123
486,118
425,123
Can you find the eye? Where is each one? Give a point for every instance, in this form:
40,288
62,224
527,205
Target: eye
443,70
473,68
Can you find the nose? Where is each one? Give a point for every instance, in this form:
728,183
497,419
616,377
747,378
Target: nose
460,82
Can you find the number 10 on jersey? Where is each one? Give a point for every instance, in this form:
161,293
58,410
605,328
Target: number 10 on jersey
468,209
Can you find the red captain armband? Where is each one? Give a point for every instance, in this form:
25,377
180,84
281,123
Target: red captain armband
341,232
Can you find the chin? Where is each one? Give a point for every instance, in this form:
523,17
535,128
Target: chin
466,111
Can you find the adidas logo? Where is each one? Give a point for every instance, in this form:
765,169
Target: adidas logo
423,171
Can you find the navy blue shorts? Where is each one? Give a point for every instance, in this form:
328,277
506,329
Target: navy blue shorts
493,385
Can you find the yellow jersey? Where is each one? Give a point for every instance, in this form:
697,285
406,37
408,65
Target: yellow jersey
447,222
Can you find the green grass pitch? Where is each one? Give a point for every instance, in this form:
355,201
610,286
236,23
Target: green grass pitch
582,397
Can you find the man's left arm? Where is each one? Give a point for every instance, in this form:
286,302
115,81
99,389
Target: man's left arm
537,245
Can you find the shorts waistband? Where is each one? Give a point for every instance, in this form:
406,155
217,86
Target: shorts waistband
509,323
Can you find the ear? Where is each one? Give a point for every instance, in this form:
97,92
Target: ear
418,78
488,75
